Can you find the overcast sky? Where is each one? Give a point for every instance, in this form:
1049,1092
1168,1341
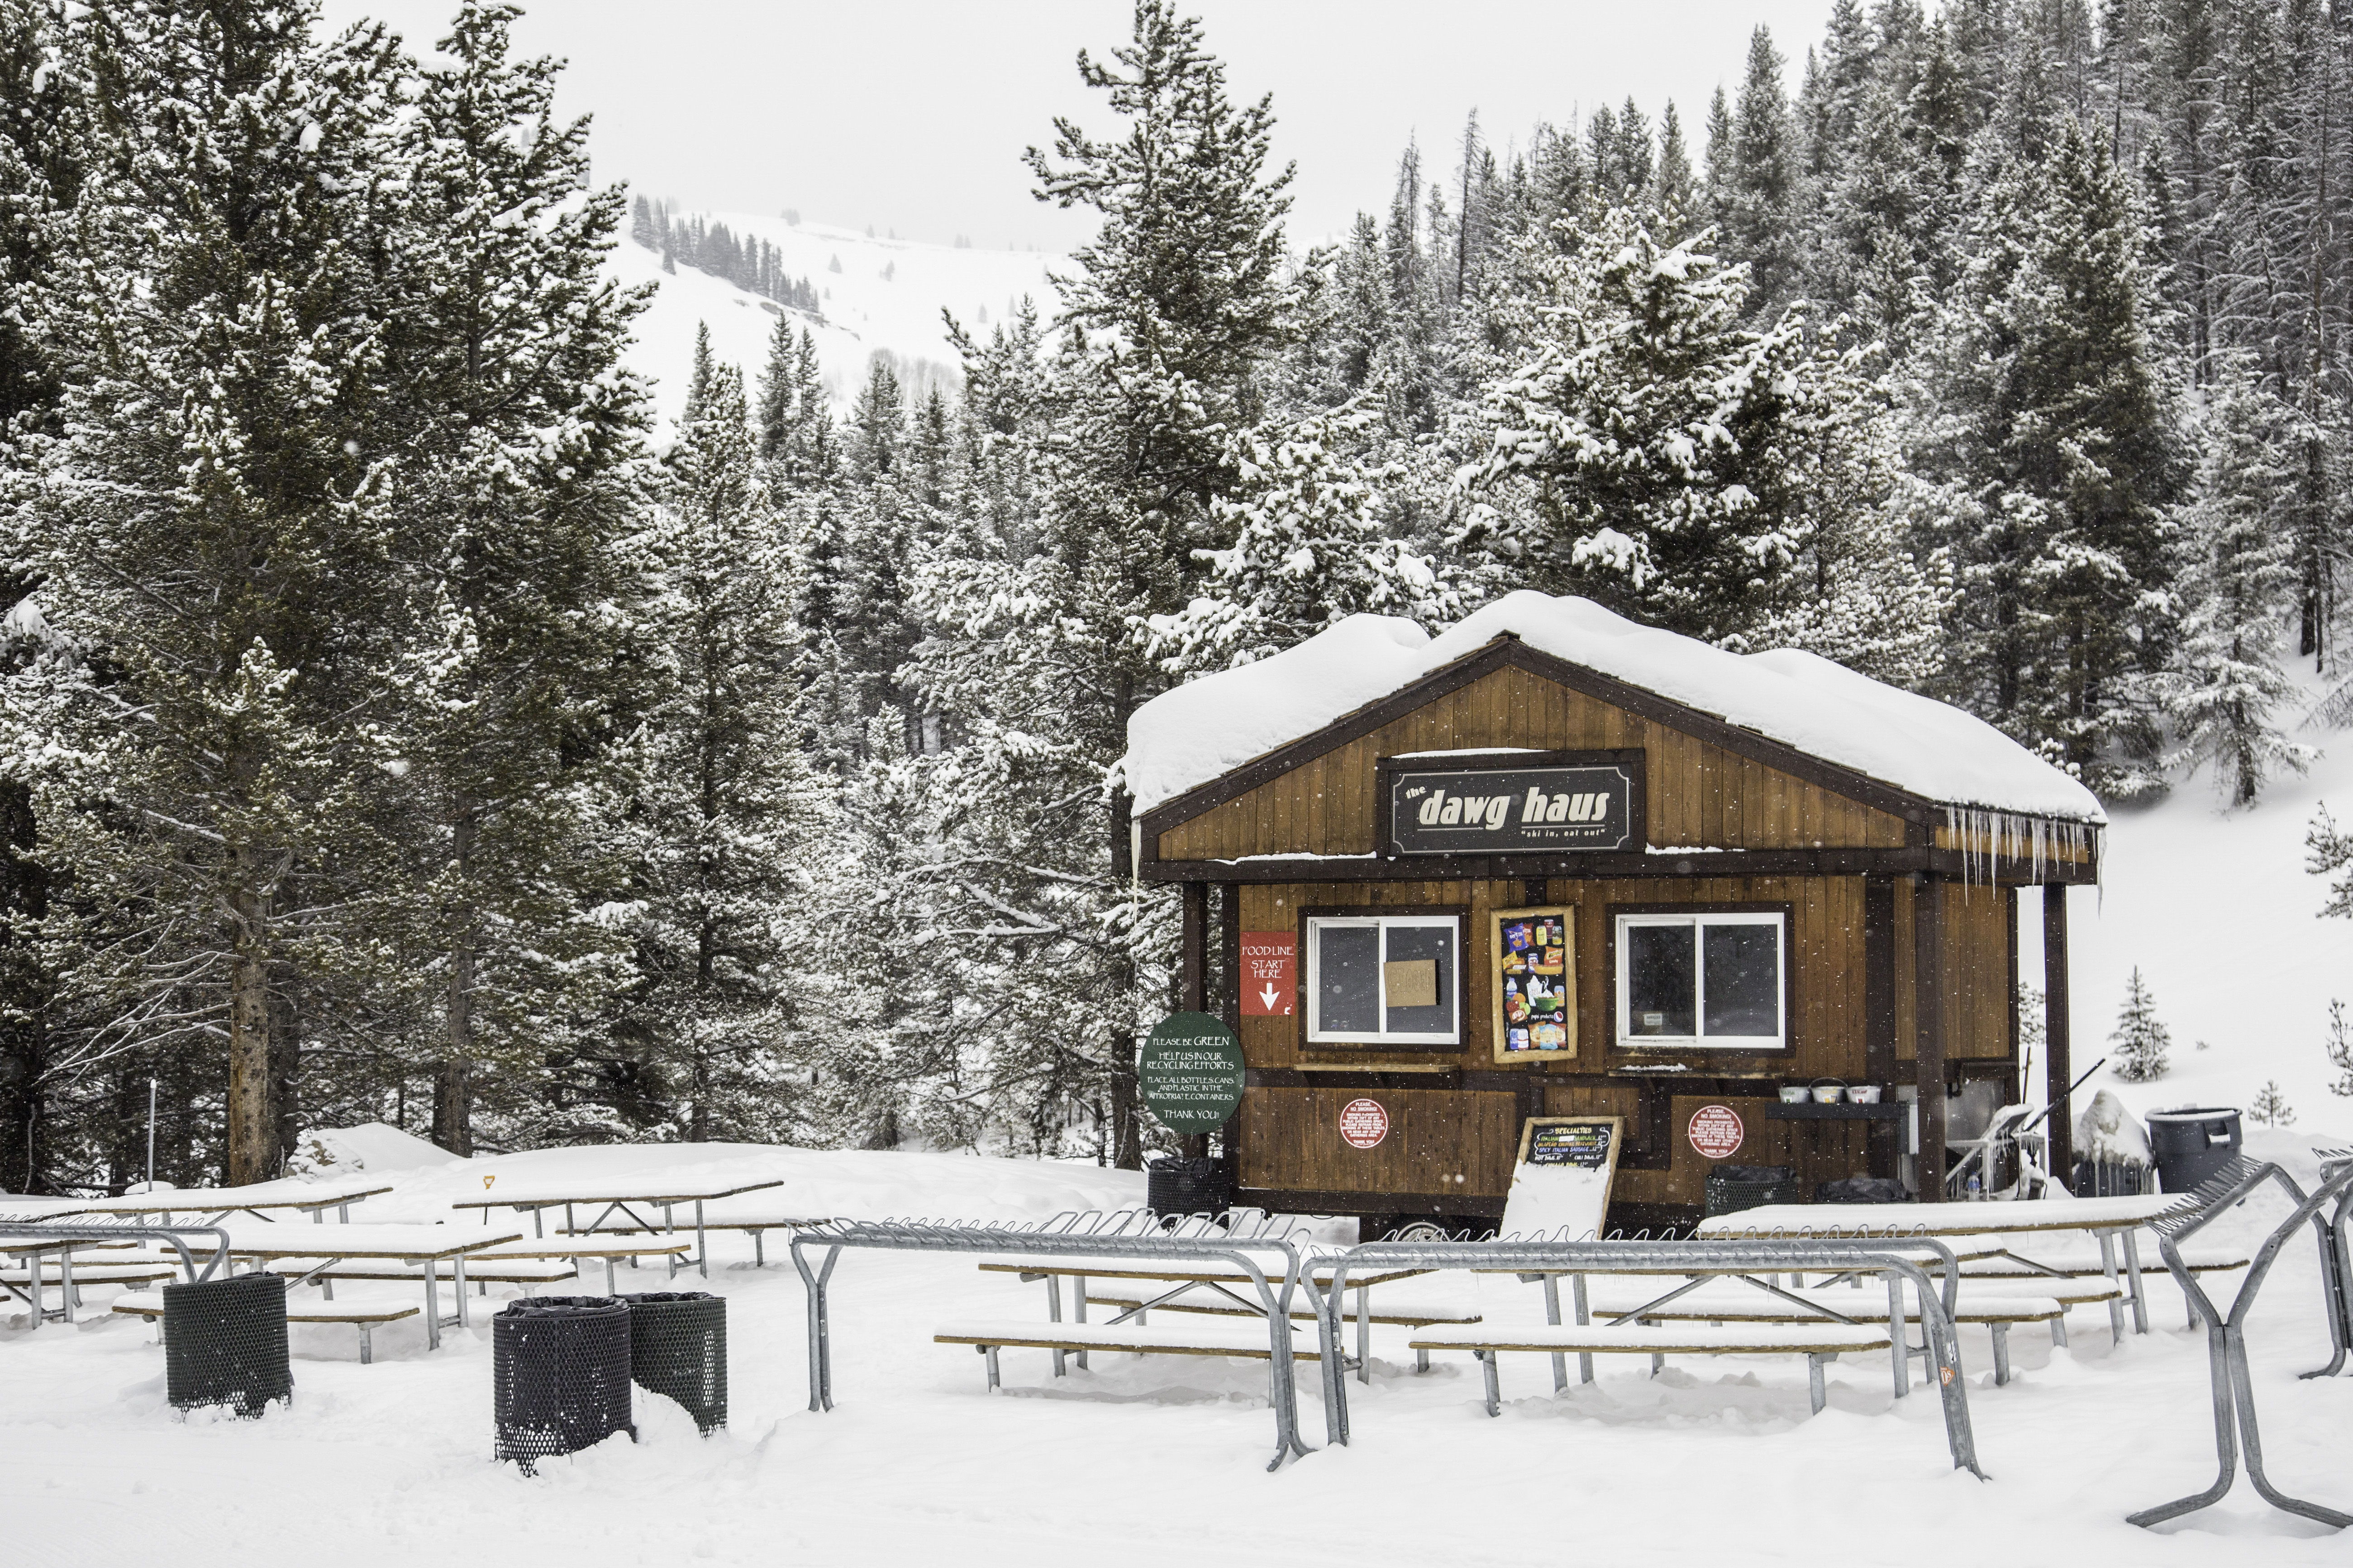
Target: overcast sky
912,116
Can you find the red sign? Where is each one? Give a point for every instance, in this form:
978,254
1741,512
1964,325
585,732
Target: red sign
1270,974
1363,1123
1715,1132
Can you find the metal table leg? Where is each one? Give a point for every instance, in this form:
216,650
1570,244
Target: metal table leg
1584,1321
2132,1270
1054,1314
458,1284
1552,1316
2116,1302
1079,1310
433,1307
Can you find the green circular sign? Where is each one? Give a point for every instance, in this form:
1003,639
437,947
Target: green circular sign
1191,1072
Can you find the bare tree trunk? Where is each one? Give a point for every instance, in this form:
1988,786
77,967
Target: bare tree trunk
1127,1132
453,1081
252,1120
285,1068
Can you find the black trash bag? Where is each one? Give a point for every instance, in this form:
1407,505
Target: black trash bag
1862,1190
1176,1185
560,1366
224,1343
678,1347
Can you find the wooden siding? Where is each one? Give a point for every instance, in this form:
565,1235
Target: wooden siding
1460,1144
1977,972
1700,795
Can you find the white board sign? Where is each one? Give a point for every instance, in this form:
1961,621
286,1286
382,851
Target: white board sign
1560,1186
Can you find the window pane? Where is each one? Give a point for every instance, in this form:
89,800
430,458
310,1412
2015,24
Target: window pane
1418,945
1743,979
1661,995
1347,980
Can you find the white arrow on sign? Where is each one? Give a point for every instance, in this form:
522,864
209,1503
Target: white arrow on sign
1269,993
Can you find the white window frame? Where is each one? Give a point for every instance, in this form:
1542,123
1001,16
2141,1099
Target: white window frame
1698,920
1316,1032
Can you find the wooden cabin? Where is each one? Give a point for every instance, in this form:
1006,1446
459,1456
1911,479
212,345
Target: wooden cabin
1554,863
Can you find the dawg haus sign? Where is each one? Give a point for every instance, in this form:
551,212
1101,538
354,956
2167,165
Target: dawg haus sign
1513,803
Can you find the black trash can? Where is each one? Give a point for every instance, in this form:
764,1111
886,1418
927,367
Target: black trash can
1174,1185
678,1347
561,1369
2192,1145
224,1343
1732,1188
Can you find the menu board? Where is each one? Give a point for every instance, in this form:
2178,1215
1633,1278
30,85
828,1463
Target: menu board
1560,1187
1532,961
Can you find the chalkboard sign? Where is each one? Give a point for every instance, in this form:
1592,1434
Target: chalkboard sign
1190,1071
1592,1145
1532,982
1560,1188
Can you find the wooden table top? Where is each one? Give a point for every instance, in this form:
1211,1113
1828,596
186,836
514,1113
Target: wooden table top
557,1196
1209,1271
338,1241
1845,1220
288,1194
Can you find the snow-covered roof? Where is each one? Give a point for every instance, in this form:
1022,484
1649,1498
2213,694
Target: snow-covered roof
1208,728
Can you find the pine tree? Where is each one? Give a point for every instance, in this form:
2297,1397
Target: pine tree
727,812
526,458
2337,1045
2139,1041
210,523
2271,1106
2238,583
1761,217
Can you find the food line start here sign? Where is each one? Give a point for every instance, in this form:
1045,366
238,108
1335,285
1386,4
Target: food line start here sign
1270,972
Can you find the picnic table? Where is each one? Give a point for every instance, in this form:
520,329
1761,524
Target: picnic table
1228,1285
2108,1220
667,1194
324,1246
211,1205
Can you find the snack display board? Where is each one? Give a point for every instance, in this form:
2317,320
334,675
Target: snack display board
1534,984
1560,1186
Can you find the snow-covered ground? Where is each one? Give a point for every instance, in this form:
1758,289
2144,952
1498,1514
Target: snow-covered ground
2217,910
1139,1460
864,309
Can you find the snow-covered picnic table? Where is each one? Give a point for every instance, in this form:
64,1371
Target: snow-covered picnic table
321,1247
205,1205
2106,1220
668,1191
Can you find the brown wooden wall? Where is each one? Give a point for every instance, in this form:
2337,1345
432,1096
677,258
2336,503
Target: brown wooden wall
1700,795
1978,979
1440,1140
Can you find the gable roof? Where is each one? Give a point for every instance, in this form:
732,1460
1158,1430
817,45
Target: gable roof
1212,727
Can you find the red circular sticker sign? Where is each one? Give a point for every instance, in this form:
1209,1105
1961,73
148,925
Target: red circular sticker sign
1715,1132
1363,1123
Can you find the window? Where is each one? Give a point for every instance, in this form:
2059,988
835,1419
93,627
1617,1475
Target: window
1716,981
1391,980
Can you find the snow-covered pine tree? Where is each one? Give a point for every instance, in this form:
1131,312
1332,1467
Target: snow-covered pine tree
2270,1106
1172,324
2336,1044
525,463
2140,1040
1652,453
2328,849
2239,582
210,523
1311,546
1763,196
727,815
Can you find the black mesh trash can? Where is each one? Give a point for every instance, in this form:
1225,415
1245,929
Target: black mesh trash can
678,1347
1174,1185
2192,1145
561,1369
1732,1188
224,1343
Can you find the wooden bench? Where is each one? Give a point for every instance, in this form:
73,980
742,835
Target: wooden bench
366,1317
990,1335
1390,1305
1817,1343
1728,1301
94,1274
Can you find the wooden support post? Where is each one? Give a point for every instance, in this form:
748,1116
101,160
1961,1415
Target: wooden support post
1879,1012
1194,979
1230,1008
2059,1069
1929,1026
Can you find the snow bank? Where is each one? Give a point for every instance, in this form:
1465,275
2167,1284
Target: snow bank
373,1146
1208,727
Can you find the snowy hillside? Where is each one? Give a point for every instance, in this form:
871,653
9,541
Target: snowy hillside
887,297
2217,910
